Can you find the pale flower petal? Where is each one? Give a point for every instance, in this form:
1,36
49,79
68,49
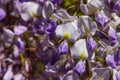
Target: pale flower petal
30,10
9,74
68,30
79,49
18,30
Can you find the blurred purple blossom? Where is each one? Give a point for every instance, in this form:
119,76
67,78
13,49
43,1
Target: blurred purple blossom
2,14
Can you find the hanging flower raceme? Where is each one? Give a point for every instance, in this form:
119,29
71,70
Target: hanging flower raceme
68,30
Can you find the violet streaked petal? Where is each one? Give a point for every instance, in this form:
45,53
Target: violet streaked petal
20,44
110,60
2,14
80,67
51,27
116,7
112,35
91,44
63,47
117,57
100,20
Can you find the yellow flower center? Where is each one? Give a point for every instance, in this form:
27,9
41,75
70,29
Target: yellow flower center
66,35
32,14
82,55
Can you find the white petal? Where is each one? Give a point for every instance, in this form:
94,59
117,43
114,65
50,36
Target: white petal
26,66
16,51
30,10
18,77
69,30
25,16
8,75
79,49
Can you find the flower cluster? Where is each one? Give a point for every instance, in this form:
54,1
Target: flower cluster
59,39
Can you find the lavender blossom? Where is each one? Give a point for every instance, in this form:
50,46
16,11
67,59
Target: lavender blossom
80,67
110,60
2,14
63,48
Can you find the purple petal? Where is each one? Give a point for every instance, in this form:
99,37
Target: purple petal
2,14
117,57
63,47
18,30
56,1
91,44
117,75
51,27
23,0
116,7
20,44
112,35
100,20
80,67
110,60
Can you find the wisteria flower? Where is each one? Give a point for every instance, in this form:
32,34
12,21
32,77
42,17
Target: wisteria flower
29,10
87,26
68,31
91,6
